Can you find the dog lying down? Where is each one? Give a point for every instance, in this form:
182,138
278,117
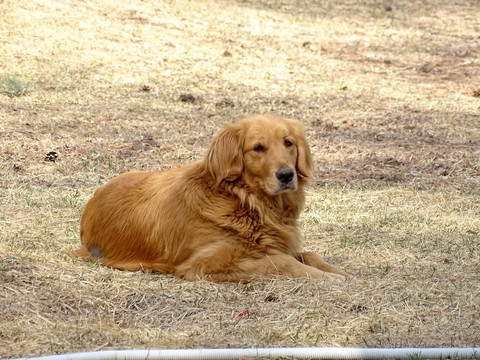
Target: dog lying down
229,217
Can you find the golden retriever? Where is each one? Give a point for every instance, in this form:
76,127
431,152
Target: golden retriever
229,217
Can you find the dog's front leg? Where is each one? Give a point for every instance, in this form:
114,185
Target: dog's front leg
312,259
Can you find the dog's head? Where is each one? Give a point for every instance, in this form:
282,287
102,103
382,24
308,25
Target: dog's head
268,152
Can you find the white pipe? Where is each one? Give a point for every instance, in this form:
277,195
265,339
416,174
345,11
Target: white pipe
296,353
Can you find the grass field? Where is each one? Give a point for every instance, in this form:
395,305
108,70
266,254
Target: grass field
389,94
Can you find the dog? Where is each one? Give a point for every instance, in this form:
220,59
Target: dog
230,217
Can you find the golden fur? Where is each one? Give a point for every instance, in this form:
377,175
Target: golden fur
229,217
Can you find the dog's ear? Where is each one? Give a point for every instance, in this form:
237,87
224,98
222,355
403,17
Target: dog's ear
304,160
224,160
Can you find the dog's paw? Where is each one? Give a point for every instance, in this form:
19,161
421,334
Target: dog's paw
337,277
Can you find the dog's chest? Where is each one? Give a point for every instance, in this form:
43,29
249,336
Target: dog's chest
264,235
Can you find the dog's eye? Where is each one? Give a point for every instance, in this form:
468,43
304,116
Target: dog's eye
288,143
259,148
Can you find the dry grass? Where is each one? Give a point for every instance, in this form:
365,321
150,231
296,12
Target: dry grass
388,96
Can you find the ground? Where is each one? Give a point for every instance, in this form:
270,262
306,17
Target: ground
388,93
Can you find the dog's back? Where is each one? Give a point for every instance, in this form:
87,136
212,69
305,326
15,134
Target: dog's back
119,225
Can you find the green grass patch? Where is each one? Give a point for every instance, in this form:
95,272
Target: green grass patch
13,86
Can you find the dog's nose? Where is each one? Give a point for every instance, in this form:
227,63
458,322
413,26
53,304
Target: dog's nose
285,175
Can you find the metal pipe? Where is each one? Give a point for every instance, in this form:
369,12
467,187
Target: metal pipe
295,353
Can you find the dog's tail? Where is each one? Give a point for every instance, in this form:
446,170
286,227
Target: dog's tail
95,254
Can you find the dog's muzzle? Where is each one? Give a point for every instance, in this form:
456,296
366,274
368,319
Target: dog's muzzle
287,179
